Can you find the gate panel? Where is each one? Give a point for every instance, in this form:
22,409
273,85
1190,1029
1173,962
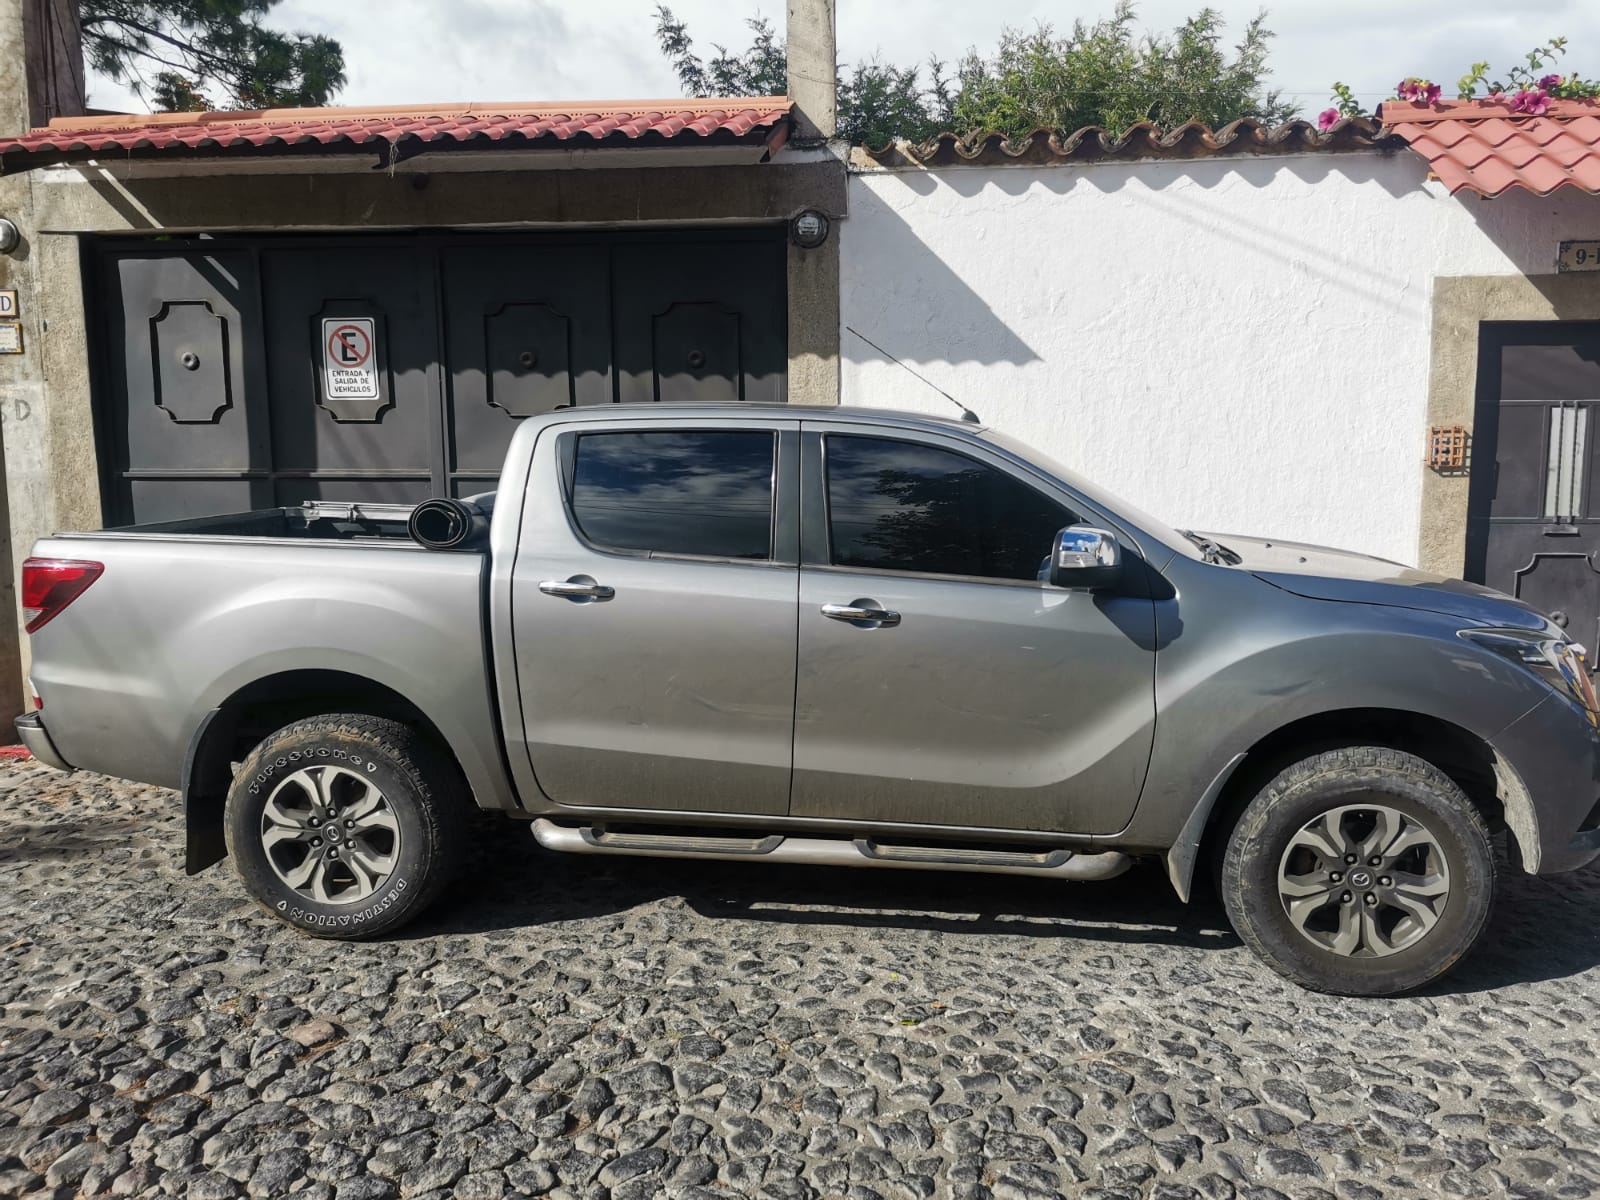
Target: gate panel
700,321
254,371
319,439
180,418
527,330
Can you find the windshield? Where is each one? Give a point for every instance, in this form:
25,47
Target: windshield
1096,495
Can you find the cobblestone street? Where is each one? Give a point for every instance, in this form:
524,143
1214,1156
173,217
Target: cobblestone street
576,1027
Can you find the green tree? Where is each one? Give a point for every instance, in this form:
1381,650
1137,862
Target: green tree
877,101
1106,73
197,54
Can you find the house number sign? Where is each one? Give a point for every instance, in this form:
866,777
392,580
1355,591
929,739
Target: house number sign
1579,256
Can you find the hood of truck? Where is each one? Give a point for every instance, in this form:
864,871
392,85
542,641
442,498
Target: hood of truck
1322,573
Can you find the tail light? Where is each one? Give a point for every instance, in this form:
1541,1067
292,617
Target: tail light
50,584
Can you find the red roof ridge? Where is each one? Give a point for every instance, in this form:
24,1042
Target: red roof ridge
1415,112
761,121
1193,139
471,108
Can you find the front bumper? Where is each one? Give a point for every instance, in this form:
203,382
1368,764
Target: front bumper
30,727
1580,850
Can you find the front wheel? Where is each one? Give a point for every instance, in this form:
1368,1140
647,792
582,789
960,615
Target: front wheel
345,825
1362,871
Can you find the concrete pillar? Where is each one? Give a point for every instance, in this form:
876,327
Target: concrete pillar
813,70
814,323
40,491
16,115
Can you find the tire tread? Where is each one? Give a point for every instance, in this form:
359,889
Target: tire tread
431,772
1350,765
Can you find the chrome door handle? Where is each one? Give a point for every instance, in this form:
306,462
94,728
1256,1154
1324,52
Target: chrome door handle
861,612
577,589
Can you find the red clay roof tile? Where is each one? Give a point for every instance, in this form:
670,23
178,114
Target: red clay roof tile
1484,147
650,122
1244,137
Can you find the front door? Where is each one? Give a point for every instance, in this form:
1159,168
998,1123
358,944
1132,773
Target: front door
1534,528
653,613
940,682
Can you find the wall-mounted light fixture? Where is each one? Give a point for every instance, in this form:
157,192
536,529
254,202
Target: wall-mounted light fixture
10,236
809,229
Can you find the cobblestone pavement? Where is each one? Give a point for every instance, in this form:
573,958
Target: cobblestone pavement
585,1028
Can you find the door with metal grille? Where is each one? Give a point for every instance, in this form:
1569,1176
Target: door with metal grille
1534,511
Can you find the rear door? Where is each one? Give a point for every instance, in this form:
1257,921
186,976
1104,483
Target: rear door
990,699
653,614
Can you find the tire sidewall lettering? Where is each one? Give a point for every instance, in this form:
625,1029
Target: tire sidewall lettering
298,747
342,920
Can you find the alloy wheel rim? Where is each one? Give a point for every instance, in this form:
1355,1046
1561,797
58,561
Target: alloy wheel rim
1364,881
330,835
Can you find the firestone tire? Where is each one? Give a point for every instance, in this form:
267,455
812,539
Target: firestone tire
345,826
1382,923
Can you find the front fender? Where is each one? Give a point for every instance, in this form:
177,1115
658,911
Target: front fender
1240,660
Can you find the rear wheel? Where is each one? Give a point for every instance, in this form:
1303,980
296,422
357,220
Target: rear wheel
346,825
1362,871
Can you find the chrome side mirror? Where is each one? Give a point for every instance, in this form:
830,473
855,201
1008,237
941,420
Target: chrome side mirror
1085,557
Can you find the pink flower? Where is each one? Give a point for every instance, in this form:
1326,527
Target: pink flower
1533,101
1418,91
1327,119
1550,81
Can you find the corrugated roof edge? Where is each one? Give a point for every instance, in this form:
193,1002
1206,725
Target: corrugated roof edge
1092,143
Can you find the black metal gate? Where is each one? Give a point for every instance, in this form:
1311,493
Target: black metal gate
242,373
1534,507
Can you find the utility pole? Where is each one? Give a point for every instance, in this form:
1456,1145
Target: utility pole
813,53
46,38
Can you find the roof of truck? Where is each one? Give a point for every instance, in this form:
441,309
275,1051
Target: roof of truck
791,412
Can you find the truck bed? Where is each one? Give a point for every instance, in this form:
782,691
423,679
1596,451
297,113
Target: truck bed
317,520
188,615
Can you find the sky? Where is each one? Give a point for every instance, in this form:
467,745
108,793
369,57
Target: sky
422,51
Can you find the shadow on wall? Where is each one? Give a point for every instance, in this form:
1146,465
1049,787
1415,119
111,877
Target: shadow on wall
1528,229
945,306
956,324
1258,171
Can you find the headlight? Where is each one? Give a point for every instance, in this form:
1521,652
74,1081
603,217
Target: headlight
1558,662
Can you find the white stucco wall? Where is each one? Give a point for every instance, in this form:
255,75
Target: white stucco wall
1233,345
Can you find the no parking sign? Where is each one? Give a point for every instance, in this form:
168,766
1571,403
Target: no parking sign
349,359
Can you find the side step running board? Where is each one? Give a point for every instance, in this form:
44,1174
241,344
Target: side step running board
831,852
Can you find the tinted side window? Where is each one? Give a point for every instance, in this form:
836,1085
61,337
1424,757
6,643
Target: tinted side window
903,506
676,491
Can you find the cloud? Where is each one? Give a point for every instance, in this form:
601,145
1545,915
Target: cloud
419,51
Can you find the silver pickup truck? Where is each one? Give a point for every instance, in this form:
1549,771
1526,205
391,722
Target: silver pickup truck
851,638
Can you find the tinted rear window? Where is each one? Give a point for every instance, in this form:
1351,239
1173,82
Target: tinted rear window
705,493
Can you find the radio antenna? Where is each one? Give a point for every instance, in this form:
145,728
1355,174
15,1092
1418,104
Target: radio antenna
966,413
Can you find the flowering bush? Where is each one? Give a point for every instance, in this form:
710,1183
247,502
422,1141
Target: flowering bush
1524,90
1345,105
